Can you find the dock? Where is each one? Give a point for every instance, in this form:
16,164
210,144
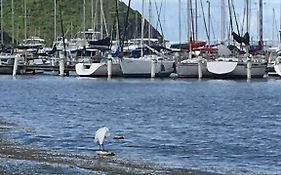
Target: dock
33,69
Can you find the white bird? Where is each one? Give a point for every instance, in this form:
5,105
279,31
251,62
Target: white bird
101,134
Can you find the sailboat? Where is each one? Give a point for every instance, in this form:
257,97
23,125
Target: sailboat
147,60
94,57
94,63
277,63
189,67
226,65
238,65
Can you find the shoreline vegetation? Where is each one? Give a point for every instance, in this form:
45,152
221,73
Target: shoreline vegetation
19,159
40,19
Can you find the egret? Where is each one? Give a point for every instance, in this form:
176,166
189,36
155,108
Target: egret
101,134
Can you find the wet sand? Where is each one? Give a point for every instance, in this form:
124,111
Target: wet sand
20,159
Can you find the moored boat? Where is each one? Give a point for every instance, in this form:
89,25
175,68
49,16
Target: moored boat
236,67
98,69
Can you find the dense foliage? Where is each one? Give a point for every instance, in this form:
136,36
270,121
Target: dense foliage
40,18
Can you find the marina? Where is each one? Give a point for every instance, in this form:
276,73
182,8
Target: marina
92,52
140,87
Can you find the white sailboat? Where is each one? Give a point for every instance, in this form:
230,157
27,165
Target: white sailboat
277,67
245,65
277,63
189,68
141,67
231,67
94,62
149,63
97,69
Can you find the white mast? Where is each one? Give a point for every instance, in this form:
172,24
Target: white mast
180,22
189,19
164,15
142,27
55,20
261,21
137,26
222,20
280,25
273,26
117,26
209,23
101,18
149,22
95,17
25,19
2,32
84,21
92,10
13,23
196,20
247,16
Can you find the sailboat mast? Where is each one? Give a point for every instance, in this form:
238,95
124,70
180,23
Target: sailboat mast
2,32
149,19
191,20
247,16
209,23
222,20
92,14
180,22
25,19
101,18
142,27
196,20
273,25
55,20
84,21
261,21
104,20
13,23
137,25
62,31
95,17
188,19
280,25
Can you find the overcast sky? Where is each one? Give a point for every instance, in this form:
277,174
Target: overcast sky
170,17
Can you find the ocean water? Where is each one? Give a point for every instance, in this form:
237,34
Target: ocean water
219,126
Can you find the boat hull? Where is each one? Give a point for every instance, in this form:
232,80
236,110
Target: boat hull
235,70
97,69
141,68
277,69
190,70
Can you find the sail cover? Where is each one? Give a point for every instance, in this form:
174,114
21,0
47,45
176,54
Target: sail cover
245,39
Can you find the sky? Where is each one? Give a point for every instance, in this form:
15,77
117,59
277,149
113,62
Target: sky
170,18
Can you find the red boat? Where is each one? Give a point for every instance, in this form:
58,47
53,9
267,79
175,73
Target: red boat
193,45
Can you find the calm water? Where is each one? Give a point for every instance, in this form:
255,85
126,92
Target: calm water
213,125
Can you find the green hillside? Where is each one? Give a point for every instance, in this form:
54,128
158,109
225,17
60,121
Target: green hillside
40,18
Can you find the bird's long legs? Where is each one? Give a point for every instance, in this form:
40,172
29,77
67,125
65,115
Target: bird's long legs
101,147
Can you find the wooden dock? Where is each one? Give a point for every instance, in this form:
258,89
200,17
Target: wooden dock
33,69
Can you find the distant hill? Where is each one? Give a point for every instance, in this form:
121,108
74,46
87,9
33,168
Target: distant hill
40,20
